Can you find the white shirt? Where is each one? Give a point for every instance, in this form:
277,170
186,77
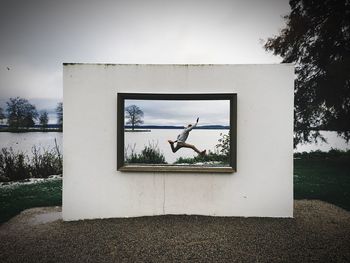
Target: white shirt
182,137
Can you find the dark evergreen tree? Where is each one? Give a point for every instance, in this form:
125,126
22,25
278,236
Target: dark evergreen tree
317,39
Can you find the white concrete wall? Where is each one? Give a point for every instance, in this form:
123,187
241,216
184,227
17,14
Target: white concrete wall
262,185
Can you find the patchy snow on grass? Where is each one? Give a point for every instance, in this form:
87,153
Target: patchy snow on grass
209,163
30,181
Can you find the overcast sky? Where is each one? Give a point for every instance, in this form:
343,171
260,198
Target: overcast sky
182,113
37,36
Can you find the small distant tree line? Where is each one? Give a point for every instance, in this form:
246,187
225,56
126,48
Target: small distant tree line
333,154
21,114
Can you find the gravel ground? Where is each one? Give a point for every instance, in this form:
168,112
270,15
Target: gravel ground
320,232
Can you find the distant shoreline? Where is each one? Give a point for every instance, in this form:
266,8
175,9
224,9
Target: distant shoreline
136,130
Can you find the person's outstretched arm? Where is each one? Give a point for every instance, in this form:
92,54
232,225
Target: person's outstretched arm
194,125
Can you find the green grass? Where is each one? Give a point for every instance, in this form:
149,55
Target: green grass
209,157
326,179
16,198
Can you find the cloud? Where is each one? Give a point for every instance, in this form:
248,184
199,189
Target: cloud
37,36
30,82
163,112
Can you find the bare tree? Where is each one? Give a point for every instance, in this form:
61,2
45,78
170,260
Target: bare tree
134,115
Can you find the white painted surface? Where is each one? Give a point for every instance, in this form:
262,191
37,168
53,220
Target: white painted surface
262,186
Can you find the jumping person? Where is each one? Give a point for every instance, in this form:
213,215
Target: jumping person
181,140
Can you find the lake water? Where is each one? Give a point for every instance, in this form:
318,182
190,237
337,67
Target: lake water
203,139
207,139
26,140
333,141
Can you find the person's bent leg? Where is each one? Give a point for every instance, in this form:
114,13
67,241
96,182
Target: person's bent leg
177,147
172,145
187,145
